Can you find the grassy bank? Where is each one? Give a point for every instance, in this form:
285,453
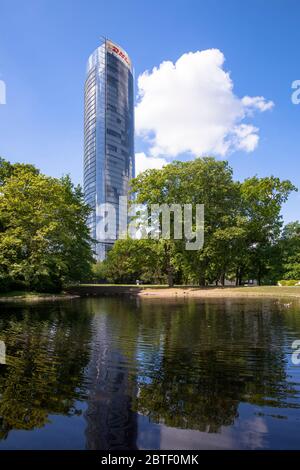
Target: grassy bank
32,296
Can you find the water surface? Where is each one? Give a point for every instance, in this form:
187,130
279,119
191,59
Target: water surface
148,374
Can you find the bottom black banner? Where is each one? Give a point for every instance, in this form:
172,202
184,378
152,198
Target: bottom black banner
134,459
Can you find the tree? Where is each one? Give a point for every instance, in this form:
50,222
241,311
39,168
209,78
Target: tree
201,181
242,220
7,169
98,272
44,239
261,202
290,251
130,260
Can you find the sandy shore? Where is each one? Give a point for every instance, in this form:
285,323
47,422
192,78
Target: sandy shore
157,292
227,292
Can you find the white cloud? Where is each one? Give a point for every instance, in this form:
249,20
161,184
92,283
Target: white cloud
257,102
142,162
246,137
190,106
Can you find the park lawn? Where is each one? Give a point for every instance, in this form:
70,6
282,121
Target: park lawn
31,295
21,293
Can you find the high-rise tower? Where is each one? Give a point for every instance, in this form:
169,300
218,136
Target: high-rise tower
108,133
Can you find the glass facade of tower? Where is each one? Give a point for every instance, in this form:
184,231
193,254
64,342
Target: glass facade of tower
108,133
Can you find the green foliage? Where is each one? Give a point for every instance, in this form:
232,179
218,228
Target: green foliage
44,239
201,181
130,260
242,228
98,271
261,202
290,282
289,245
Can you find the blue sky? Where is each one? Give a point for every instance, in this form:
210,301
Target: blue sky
44,46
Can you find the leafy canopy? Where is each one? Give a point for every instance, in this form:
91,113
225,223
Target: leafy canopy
44,239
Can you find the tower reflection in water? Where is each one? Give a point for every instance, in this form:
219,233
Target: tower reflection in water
111,423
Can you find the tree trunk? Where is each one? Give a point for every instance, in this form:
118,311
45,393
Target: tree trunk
202,282
259,275
240,276
169,267
223,279
170,277
237,273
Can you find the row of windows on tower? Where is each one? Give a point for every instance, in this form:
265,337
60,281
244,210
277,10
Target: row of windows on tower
118,71
121,136
114,148
122,109
114,82
111,107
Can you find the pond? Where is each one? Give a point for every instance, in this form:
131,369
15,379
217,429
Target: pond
114,373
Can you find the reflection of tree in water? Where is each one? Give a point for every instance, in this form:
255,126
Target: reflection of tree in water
47,353
188,365
214,358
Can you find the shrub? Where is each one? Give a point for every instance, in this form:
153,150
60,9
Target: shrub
289,283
